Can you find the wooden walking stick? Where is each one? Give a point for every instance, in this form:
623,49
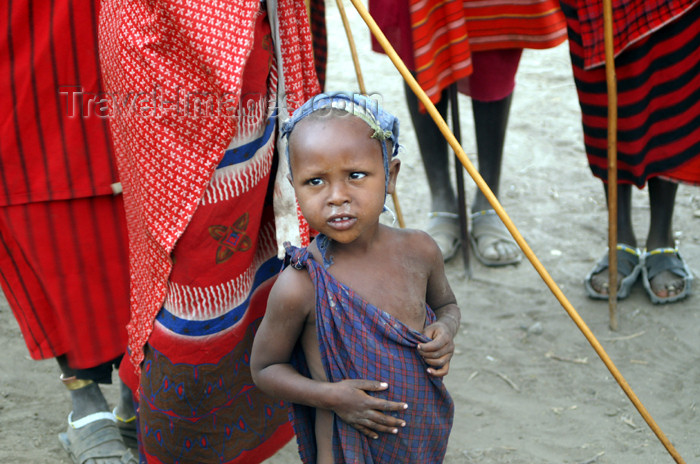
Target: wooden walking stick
363,90
527,251
459,176
611,80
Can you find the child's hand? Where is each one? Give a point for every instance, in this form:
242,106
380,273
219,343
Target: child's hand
364,412
437,352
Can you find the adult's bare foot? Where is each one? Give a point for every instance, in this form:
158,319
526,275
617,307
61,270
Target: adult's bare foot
628,267
667,277
492,243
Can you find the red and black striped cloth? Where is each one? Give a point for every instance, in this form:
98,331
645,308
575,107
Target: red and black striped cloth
632,21
658,83
63,252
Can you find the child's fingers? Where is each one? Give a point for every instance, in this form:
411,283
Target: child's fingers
366,431
367,385
438,367
435,349
383,423
386,405
440,371
438,361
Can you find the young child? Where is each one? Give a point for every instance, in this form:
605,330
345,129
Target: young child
359,329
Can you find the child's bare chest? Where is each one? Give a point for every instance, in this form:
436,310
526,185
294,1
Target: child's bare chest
393,286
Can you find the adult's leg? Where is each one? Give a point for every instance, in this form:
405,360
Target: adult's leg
433,150
491,89
69,291
662,199
94,433
490,122
443,224
86,396
625,234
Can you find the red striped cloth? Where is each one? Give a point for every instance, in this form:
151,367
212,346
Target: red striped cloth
53,144
632,21
430,36
64,272
63,251
658,84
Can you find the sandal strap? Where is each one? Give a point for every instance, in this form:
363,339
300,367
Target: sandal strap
497,230
442,214
627,259
89,419
483,212
447,227
664,259
662,251
633,251
88,444
121,419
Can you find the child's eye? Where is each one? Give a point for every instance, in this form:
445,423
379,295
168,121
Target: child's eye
357,175
315,181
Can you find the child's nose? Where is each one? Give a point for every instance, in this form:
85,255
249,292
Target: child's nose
339,194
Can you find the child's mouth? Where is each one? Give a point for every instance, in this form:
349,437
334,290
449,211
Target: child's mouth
341,222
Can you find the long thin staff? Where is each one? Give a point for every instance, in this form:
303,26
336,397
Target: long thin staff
527,251
363,90
612,161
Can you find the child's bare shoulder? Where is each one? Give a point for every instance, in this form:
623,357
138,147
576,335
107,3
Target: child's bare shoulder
417,243
293,291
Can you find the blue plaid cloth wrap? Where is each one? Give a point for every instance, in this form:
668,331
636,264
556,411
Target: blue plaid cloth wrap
359,341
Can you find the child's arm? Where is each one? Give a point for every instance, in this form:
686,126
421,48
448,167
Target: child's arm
290,303
439,296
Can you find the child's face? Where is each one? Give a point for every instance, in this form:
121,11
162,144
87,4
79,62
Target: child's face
338,176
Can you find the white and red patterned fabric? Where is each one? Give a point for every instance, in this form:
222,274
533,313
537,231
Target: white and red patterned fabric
161,59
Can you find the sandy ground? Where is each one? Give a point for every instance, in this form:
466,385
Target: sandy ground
527,385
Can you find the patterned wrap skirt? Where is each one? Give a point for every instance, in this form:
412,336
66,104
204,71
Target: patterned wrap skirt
197,400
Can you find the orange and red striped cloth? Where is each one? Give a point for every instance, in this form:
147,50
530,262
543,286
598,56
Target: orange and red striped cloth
435,39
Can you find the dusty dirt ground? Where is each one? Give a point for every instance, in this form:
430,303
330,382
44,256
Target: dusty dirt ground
528,387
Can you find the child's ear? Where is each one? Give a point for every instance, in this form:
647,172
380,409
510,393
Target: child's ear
394,167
